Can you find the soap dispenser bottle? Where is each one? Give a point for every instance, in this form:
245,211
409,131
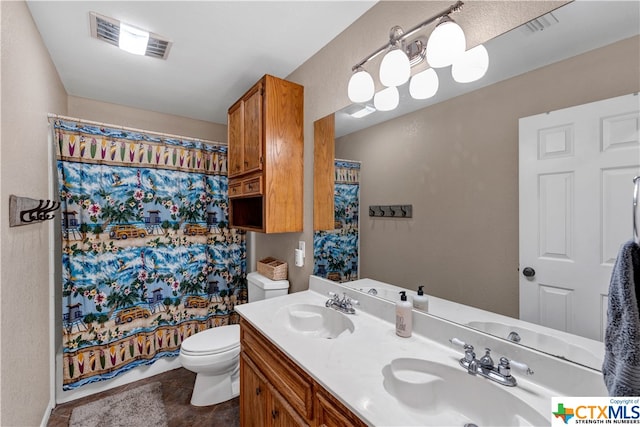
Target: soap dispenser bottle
404,321
420,301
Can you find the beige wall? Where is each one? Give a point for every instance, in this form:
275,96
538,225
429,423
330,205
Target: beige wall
457,163
120,115
326,74
30,89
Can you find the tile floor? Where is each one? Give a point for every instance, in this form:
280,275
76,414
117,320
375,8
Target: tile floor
176,393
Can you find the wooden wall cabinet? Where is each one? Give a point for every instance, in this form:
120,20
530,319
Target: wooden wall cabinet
324,173
274,391
266,157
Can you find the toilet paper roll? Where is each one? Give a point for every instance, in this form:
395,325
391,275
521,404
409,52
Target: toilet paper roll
299,258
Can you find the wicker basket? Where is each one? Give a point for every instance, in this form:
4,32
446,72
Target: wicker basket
272,268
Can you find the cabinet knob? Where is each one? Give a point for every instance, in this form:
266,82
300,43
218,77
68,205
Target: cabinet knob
274,414
258,391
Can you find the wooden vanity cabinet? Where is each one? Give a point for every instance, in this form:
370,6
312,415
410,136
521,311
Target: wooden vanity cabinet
253,396
331,413
265,157
274,391
261,403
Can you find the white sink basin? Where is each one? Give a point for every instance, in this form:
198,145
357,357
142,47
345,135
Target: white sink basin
315,321
441,395
543,342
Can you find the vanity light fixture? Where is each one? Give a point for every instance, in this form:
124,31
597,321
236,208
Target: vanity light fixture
395,68
387,99
446,43
471,65
446,46
361,86
424,85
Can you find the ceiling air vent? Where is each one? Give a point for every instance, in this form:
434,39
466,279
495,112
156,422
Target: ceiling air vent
108,30
540,24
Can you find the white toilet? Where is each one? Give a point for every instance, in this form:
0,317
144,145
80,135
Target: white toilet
214,354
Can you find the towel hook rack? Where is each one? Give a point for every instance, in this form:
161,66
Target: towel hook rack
636,190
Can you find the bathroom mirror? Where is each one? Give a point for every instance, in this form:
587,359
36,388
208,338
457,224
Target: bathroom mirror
465,184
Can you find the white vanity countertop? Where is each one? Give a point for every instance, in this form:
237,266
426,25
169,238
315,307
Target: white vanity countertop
351,366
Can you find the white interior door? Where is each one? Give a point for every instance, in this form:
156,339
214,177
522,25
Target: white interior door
576,189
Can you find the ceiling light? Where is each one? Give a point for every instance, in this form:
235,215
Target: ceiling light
361,87
445,44
132,39
387,99
471,65
109,30
362,112
424,85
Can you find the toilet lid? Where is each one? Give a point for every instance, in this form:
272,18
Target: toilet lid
214,340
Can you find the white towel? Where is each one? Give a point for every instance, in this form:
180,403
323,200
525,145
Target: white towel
621,367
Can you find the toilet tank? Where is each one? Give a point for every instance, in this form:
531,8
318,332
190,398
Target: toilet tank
261,287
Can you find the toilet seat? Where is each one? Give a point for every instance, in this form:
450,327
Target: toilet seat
216,340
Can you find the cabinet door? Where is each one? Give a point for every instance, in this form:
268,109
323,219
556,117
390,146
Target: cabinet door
281,413
235,135
331,413
253,396
253,135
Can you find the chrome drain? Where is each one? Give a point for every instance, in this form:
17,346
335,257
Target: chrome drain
470,425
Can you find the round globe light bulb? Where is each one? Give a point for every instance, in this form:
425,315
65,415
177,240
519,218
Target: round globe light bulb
471,65
424,85
446,43
361,87
394,68
387,99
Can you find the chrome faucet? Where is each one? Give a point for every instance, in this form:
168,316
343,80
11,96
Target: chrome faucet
344,305
513,336
486,368
470,360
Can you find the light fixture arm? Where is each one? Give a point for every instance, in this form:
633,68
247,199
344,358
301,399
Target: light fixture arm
396,35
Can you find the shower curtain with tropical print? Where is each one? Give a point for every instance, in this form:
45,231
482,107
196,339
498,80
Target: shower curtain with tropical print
336,252
147,255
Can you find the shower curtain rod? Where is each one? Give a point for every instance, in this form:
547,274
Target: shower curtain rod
344,160
166,135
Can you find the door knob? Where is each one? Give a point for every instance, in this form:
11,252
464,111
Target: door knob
528,272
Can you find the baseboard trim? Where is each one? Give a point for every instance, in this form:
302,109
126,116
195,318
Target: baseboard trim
47,414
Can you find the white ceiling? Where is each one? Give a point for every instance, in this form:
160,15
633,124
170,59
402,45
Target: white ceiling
220,48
